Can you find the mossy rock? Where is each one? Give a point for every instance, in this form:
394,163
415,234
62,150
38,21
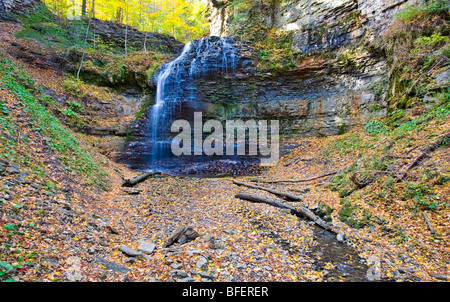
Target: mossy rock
324,211
353,216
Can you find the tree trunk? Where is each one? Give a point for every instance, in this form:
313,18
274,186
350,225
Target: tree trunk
275,192
300,211
297,180
83,8
119,15
84,46
138,179
427,220
443,140
126,30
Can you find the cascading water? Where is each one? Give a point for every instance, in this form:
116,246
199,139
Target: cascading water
164,103
176,88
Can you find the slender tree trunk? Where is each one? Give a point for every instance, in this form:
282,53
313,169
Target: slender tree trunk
145,42
119,15
84,46
126,30
83,8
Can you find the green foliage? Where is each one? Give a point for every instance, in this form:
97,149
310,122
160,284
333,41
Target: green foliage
58,138
429,43
5,267
325,211
347,143
415,46
347,59
342,129
375,128
72,86
10,227
379,88
45,27
76,107
3,109
373,108
421,195
349,215
412,13
275,53
145,106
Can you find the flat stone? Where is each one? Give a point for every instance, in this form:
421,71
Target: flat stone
112,266
13,168
146,247
187,279
179,273
129,252
442,77
207,275
201,262
191,253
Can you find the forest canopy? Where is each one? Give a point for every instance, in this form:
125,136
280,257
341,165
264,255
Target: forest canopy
182,19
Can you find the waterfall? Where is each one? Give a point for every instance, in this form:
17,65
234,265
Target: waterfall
176,87
161,110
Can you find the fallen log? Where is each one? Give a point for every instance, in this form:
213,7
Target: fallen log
300,211
275,192
297,180
424,154
138,179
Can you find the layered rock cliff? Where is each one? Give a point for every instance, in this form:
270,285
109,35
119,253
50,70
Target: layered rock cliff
10,8
336,79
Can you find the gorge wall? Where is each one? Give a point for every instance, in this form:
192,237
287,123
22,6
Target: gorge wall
336,79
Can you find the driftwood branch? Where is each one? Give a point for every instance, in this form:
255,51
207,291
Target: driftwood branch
275,192
138,179
297,180
300,211
427,220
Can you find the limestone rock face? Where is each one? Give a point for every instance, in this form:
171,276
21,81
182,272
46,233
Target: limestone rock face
321,97
315,24
20,7
114,33
324,97
310,101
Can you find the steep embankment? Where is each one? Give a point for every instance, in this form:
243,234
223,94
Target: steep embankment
54,176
